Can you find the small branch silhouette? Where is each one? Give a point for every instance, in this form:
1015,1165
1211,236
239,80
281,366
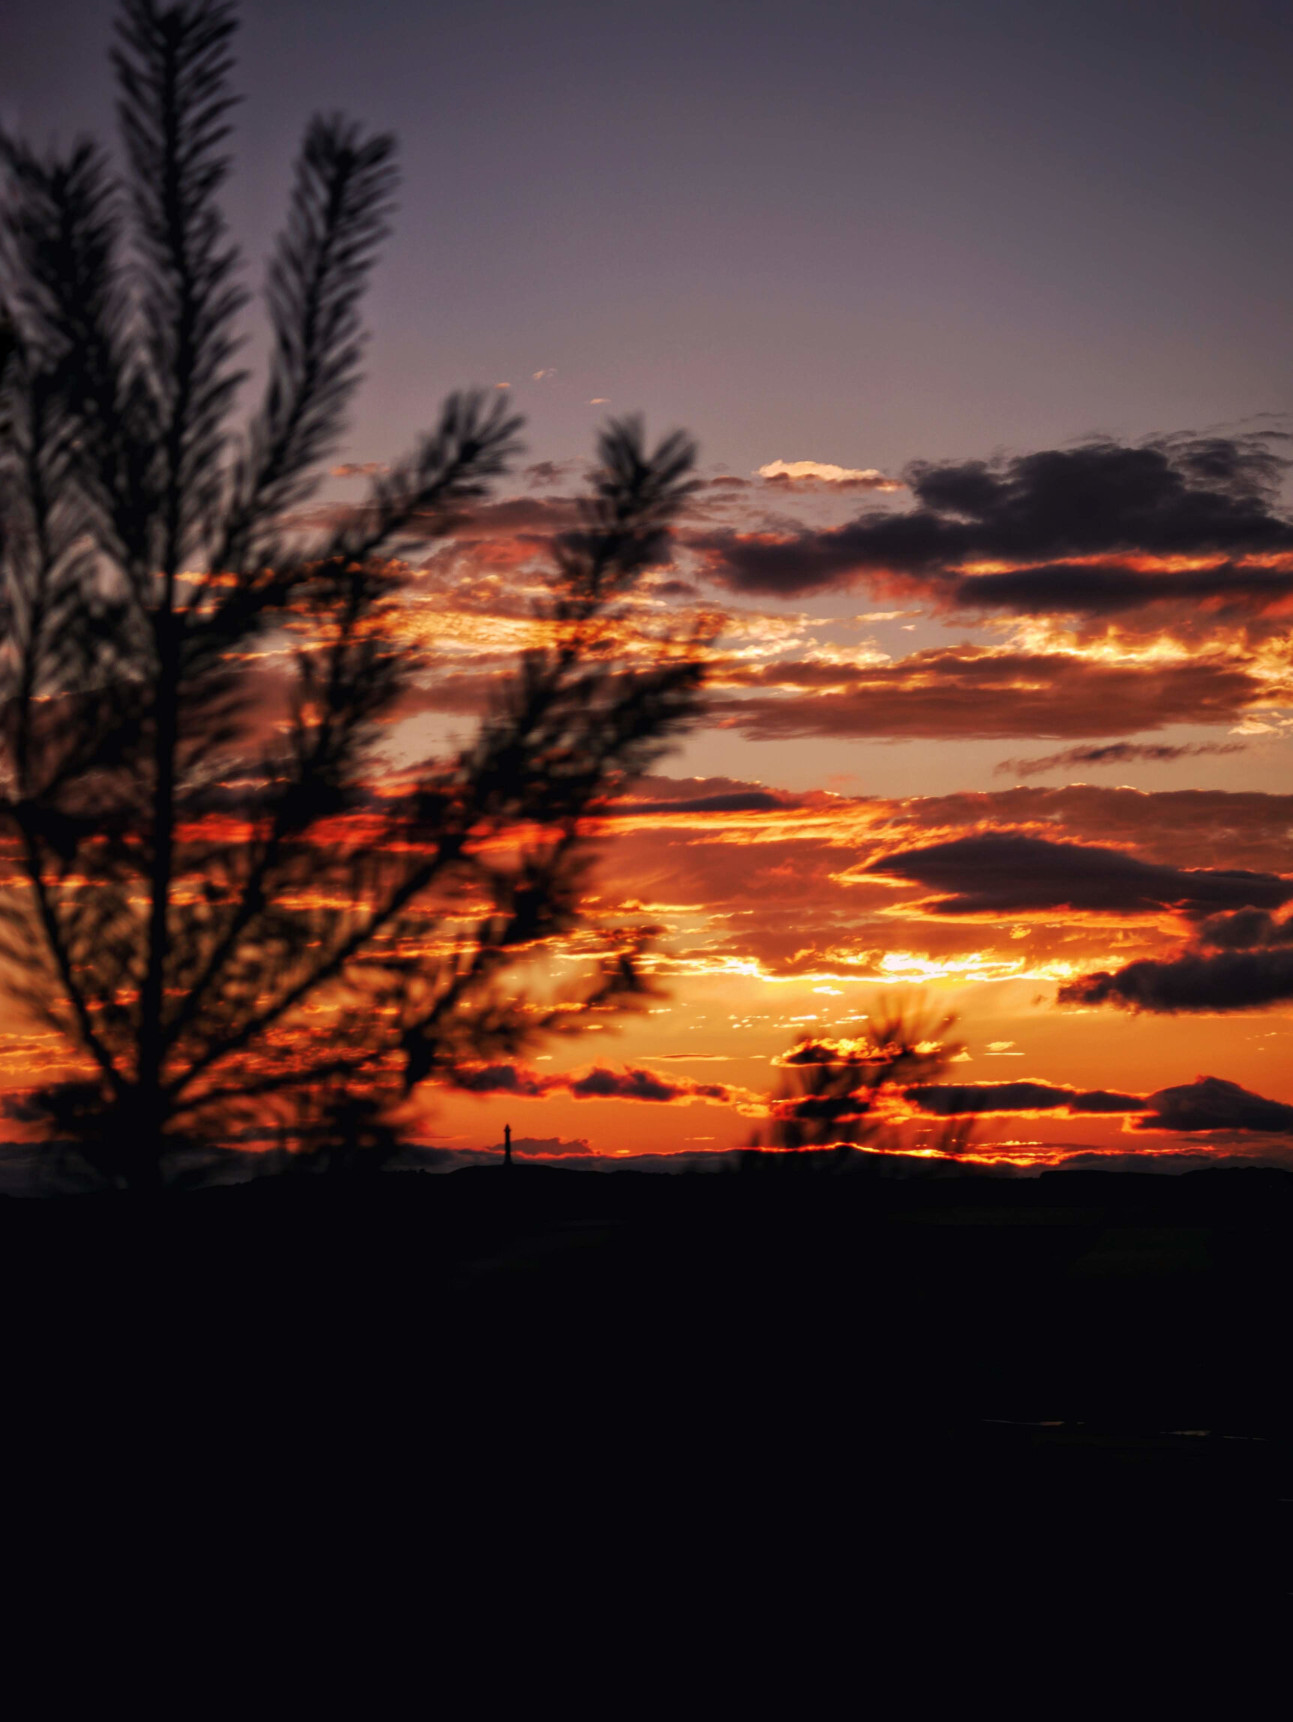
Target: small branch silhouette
838,1093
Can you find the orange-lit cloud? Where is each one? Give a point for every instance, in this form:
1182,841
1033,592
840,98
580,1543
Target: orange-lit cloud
825,472
945,693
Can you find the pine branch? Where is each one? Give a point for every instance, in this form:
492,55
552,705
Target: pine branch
340,202
424,495
173,67
548,756
61,265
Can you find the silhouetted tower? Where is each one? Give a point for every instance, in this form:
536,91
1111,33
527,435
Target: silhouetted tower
507,1144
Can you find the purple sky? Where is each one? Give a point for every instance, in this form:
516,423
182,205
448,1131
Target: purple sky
851,232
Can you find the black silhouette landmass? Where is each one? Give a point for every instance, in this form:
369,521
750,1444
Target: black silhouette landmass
1071,1382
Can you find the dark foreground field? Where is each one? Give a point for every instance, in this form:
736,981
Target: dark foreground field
1076,1387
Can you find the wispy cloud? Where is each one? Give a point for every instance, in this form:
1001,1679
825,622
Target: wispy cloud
1113,753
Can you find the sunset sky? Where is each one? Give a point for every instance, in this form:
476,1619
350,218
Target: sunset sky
980,316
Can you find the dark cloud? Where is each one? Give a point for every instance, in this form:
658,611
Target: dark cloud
1194,981
503,1079
1208,1103
1180,495
1114,753
657,793
1004,872
1112,587
991,695
734,801
1241,960
601,1084
596,1084
1244,930
950,1100
823,1108
1214,827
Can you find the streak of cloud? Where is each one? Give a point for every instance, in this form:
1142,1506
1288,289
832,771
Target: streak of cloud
1114,753
1206,1104
963,692
951,1100
597,1083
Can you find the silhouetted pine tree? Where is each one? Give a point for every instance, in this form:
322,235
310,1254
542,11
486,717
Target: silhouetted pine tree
232,930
